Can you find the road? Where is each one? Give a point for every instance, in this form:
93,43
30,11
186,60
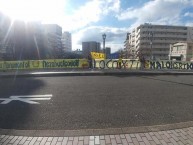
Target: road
90,102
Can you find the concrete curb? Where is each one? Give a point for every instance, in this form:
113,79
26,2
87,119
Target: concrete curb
90,132
94,73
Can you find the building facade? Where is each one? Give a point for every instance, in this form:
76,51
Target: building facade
53,35
107,52
67,41
153,41
20,40
90,46
6,39
32,40
182,51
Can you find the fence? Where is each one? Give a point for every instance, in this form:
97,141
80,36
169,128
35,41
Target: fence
97,63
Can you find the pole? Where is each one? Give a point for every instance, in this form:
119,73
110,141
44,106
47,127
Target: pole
104,37
103,44
151,42
151,51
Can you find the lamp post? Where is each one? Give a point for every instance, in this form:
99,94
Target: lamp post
104,37
151,43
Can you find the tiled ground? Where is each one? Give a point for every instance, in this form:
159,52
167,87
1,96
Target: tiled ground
171,137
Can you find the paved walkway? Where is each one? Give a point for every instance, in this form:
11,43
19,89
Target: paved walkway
170,137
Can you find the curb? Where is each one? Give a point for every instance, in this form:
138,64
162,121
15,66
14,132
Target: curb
94,132
93,73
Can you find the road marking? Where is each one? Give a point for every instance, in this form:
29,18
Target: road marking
27,98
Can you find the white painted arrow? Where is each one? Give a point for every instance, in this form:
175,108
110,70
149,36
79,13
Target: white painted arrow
27,98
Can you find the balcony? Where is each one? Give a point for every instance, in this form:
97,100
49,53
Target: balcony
163,36
165,41
160,52
163,30
154,46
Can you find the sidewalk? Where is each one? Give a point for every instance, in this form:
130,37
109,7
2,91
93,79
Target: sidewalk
91,72
182,136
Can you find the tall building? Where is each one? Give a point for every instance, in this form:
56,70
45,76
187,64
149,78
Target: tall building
91,46
128,51
53,33
154,40
6,41
32,40
20,40
28,40
107,52
67,41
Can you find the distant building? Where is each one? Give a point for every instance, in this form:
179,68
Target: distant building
28,40
91,46
53,33
154,40
129,50
107,51
67,41
78,51
19,38
6,41
182,51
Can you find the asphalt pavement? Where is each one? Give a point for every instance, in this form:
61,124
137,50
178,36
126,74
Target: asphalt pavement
91,72
94,102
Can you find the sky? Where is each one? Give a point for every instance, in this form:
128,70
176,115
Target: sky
87,20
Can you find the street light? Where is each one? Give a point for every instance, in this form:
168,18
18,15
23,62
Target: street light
104,37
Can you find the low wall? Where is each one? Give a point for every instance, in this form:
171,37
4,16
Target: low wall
97,63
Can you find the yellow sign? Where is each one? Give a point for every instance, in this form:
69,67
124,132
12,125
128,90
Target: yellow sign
96,55
147,64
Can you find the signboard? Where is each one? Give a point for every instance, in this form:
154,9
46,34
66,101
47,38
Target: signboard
98,63
180,65
113,63
40,64
96,55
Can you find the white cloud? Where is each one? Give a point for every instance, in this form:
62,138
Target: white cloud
89,13
115,36
157,11
29,10
56,11
78,21
188,14
189,24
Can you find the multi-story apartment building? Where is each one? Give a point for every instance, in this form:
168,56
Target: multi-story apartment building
153,41
91,46
66,41
182,51
53,33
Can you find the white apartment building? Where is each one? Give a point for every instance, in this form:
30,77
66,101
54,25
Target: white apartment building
154,40
67,41
182,51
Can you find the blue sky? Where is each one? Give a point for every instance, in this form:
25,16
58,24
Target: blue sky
87,20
